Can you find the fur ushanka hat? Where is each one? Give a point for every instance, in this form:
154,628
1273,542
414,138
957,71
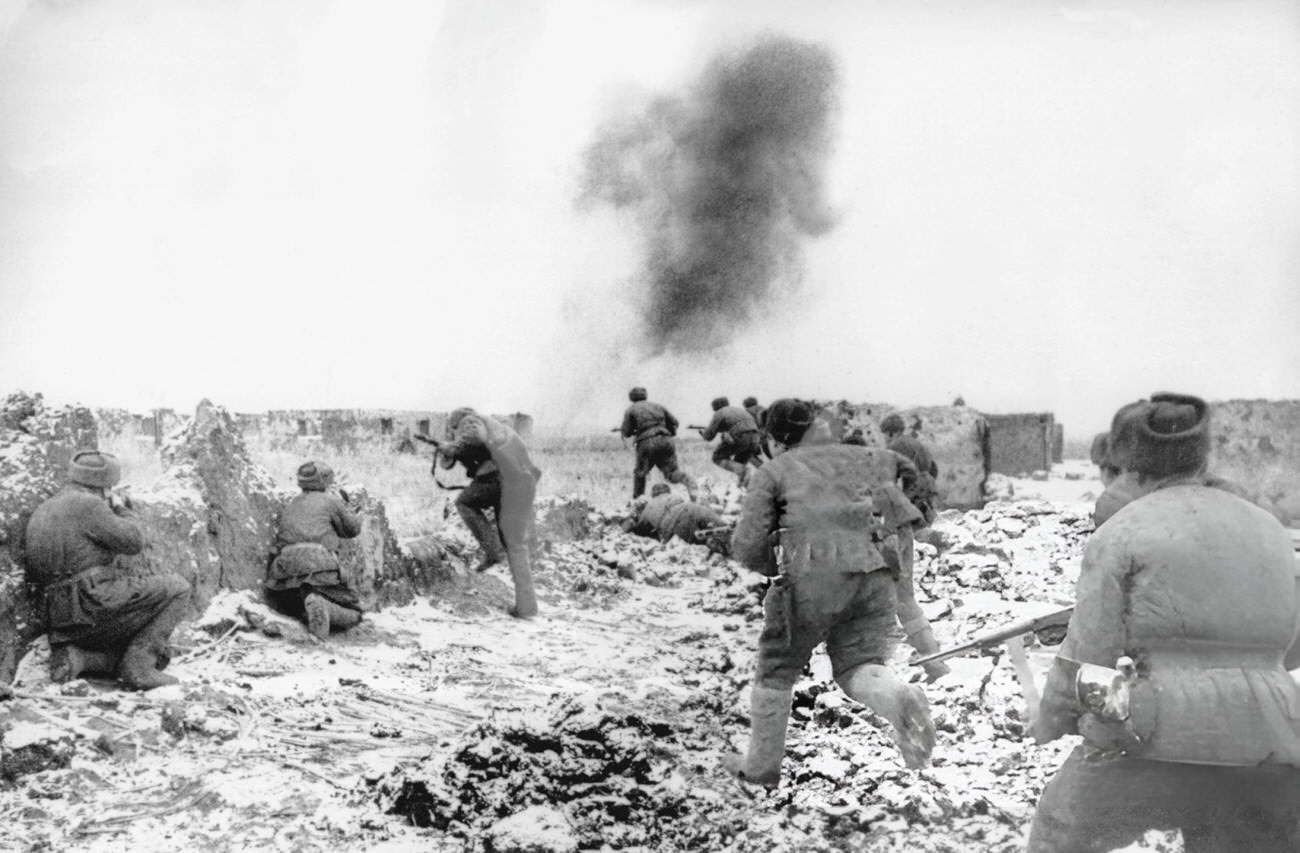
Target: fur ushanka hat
315,476
95,469
1166,435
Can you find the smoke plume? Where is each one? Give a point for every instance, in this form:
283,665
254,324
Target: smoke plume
725,184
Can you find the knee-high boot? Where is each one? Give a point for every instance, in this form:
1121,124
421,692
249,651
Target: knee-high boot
485,533
903,705
768,718
150,649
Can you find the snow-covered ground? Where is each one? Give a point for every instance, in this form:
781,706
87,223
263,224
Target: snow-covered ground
427,726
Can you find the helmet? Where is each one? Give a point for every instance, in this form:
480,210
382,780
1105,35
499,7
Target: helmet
659,489
719,402
892,424
750,401
636,394
95,469
315,476
788,419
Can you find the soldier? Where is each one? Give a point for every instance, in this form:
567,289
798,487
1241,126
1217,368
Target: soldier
101,618
924,494
466,430
1125,485
482,494
856,437
830,583
739,444
304,579
759,414
653,427
666,515
1100,454
1186,603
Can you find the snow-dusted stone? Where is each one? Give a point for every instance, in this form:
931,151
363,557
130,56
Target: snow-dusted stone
537,829
1156,840
28,747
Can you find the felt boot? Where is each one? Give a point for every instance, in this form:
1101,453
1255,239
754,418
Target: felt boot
69,661
342,618
485,534
150,649
317,608
638,485
768,717
903,705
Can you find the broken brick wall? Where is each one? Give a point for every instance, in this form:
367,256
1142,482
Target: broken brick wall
1256,444
1020,444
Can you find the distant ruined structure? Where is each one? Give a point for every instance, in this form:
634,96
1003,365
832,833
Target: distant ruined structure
1256,444
340,429
1021,444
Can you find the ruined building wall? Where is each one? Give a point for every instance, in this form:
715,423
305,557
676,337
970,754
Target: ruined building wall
956,435
1021,443
1257,445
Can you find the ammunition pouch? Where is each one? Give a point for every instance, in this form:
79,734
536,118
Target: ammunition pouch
66,603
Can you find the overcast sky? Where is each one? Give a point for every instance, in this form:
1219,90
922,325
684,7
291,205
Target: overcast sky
336,204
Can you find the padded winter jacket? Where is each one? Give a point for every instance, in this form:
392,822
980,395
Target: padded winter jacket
75,530
316,517
644,419
1198,587
732,421
823,499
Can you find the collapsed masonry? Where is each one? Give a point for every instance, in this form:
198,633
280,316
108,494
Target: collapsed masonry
209,518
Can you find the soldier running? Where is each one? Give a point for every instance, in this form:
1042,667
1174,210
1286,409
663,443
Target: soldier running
654,428
466,431
739,443
830,583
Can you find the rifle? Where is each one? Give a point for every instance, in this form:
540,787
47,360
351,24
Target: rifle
437,448
1049,628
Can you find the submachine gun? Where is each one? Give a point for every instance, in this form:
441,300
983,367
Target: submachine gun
1049,629
437,446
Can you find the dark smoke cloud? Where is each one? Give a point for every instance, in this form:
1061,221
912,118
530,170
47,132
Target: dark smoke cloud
725,182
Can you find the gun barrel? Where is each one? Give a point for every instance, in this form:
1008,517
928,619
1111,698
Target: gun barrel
1056,619
427,440
696,426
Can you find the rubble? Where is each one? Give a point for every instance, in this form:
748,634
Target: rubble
443,724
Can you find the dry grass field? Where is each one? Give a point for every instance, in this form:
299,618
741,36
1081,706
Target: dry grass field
596,468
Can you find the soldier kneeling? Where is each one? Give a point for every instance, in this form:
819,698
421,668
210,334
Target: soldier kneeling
101,619
304,579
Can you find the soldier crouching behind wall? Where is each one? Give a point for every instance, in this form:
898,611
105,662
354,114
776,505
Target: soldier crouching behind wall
101,619
1186,612
830,583
304,579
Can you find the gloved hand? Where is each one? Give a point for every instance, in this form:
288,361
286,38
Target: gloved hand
1106,735
120,503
